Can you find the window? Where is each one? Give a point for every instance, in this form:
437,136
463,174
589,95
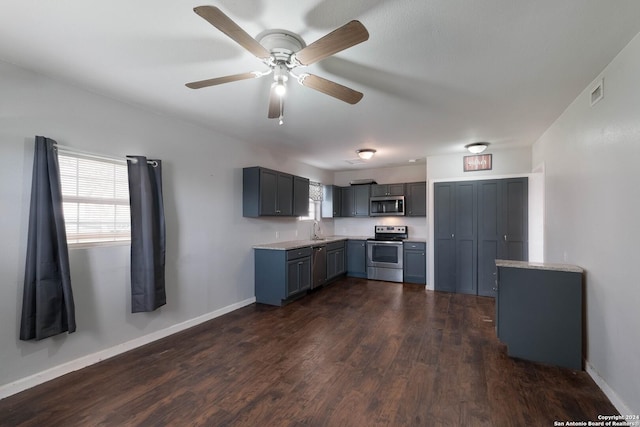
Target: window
95,198
315,199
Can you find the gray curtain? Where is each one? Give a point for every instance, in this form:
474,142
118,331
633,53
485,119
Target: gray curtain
148,240
47,301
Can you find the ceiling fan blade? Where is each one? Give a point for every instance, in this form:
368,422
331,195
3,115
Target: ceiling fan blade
344,37
222,22
275,105
330,88
220,80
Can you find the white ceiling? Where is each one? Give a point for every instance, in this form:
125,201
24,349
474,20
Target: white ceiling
436,74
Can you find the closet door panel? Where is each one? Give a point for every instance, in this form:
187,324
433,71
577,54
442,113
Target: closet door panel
515,212
489,234
466,237
444,233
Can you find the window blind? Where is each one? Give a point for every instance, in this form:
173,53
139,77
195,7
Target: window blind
95,196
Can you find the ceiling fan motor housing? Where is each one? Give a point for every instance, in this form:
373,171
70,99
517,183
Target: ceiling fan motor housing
281,43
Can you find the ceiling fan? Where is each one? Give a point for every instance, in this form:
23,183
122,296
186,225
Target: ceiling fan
283,51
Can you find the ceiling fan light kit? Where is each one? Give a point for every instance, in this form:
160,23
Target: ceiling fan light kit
477,147
283,51
366,153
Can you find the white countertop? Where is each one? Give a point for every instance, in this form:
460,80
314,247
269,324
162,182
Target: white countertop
295,244
539,266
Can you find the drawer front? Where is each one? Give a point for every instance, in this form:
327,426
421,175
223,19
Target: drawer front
335,245
415,245
298,253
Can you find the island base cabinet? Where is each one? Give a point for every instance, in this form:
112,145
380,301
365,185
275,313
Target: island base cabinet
281,276
539,315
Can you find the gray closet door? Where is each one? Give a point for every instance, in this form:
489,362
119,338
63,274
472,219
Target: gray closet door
466,235
477,222
515,213
490,234
444,234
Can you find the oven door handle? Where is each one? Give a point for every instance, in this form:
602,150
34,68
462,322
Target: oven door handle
384,243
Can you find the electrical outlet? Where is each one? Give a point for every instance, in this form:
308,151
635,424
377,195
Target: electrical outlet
277,234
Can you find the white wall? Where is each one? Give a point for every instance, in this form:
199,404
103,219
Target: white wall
364,227
592,209
505,163
209,257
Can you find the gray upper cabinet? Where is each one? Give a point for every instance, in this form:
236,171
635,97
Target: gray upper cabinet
378,190
267,192
355,200
331,201
416,198
300,196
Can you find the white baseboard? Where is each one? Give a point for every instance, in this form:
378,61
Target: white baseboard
608,391
82,362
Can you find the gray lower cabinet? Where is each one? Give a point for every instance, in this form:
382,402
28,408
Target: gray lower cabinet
539,314
415,262
281,275
335,259
357,258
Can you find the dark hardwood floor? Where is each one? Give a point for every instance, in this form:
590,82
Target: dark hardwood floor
356,353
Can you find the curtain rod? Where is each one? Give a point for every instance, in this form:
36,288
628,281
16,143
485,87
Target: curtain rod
114,159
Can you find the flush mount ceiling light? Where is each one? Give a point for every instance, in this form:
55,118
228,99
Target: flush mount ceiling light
477,147
366,153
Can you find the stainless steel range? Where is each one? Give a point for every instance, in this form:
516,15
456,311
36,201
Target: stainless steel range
384,253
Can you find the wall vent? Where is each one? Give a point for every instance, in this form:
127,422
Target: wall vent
597,92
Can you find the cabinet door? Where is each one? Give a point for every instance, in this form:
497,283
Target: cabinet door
361,200
378,190
300,196
298,275
268,192
416,199
332,264
444,233
304,273
285,195
415,266
357,258
348,207
396,190
466,238
293,277
340,262
515,215
489,234
331,201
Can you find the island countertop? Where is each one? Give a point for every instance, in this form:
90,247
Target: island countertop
539,266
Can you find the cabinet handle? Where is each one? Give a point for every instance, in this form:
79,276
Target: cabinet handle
505,237
452,235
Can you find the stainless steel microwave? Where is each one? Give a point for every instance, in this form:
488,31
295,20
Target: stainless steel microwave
386,206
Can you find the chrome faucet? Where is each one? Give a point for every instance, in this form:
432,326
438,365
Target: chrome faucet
316,229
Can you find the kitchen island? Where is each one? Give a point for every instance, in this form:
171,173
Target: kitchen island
539,313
